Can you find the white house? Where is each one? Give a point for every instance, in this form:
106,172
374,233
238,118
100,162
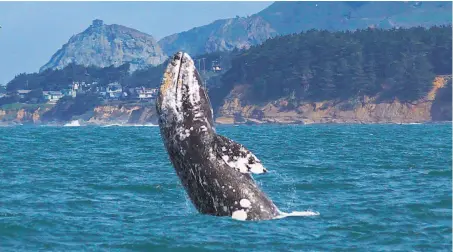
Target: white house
22,93
52,96
146,93
114,91
216,66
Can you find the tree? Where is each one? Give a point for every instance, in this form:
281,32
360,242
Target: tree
369,87
419,78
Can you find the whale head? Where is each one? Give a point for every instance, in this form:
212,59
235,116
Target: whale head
182,103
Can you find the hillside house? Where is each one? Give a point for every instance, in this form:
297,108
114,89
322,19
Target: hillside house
81,87
75,88
85,86
216,66
114,91
22,93
146,93
52,96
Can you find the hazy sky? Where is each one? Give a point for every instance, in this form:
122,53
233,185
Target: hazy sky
33,31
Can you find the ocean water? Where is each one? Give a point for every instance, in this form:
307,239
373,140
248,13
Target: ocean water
376,188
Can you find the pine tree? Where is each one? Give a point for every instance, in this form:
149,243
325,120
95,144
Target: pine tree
370,87
419,78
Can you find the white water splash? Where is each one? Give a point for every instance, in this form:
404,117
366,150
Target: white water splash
130,125
111,125
74,123
296,214
242,215
145,125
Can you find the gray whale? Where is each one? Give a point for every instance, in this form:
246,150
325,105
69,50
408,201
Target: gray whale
214,170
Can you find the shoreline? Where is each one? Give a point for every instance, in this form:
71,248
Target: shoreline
123,124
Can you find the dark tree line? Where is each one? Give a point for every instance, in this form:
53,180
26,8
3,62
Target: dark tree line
318,65
62,78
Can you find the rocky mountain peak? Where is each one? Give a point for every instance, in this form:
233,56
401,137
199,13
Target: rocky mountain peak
104,45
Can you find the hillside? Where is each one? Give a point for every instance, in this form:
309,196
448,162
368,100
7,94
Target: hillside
283,18
367,76
321,65
148,77
102,45
59,79
372,75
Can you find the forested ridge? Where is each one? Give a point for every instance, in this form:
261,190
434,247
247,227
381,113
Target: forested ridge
62,78
321,65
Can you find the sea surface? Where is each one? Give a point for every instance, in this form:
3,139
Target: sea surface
375,187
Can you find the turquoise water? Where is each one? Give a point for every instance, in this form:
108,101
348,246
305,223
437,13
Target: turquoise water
376,188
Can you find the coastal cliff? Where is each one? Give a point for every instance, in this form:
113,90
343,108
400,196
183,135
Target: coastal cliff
232,112
434,107
100,115
23,114
124,114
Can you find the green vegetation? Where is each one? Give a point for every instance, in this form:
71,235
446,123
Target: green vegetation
8,100
61,79
321,65
444,94
18,106
442,107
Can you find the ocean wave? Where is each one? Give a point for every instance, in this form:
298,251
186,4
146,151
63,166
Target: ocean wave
440,173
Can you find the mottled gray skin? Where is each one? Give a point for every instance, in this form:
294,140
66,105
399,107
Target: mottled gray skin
214,187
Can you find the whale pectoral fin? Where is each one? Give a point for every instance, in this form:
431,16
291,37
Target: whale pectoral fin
237,156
